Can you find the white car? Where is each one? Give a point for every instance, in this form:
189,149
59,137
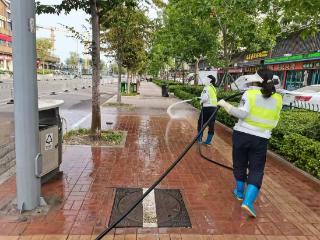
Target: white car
307,97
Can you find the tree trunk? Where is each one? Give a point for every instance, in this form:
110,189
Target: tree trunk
128,81
196,73
226,60
96,113
119,84
183,74
175,71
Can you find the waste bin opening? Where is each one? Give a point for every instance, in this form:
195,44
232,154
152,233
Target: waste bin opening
43,126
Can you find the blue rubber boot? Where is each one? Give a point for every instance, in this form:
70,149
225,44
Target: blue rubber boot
209,139
251,195
200,138
239,190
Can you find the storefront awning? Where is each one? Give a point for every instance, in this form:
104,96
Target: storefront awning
252,63
293,58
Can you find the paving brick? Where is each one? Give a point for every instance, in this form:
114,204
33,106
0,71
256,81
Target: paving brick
9,237
90,176
55,237
175,237
130,237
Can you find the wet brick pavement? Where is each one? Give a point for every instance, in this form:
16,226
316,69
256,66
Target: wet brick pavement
288,207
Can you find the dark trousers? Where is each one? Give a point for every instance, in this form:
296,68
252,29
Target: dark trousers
205,114
249,157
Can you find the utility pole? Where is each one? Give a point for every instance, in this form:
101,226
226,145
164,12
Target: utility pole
26,104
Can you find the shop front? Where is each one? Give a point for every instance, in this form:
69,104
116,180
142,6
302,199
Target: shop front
296,71
253,62
5,52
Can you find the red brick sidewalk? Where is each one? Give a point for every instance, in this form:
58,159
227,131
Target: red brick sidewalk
288,207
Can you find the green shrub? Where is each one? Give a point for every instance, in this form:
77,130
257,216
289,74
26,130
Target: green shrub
223,95
303,122
44,72
312,130
303,152
112,137
173,88
225,118
183,95
165,82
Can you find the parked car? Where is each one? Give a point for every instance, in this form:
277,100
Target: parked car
307,98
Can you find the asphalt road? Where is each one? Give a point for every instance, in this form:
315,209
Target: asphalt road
75,110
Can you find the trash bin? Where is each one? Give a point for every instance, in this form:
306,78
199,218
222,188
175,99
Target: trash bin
165,91
50,138
123,87
133,87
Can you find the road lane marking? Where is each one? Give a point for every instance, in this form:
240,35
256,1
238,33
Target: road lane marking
82,120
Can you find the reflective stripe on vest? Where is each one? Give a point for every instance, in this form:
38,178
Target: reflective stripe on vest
264,113
213,95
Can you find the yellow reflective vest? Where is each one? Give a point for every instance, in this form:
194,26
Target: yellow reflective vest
264,113
212,95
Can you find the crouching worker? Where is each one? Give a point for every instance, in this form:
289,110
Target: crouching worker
209,104
258,113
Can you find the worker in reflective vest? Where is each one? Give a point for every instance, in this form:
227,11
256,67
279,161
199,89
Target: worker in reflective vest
209,104
258,113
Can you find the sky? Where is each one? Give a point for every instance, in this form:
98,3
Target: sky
64,44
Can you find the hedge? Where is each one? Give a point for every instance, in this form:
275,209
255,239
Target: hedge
297,136
44,72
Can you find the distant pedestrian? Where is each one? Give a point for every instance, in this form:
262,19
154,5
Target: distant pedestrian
258,114
209,104
305,78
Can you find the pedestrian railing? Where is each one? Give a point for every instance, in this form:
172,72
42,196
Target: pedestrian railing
305,105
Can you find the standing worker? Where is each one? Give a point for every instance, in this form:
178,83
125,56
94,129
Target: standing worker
209,104
258,114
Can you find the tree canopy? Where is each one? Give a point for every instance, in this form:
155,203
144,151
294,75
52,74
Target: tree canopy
73,59
44,48
127,33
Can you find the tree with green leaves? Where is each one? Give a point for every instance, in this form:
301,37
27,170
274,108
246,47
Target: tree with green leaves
44,49
73,59
96,9
215,30
188,34
293,15
127,35
243,27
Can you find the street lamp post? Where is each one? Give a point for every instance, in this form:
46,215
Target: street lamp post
26,104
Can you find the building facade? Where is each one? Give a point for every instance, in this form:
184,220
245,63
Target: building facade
5,36
296,60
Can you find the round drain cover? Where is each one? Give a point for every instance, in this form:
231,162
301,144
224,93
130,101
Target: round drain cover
126,202
168,207
171,211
